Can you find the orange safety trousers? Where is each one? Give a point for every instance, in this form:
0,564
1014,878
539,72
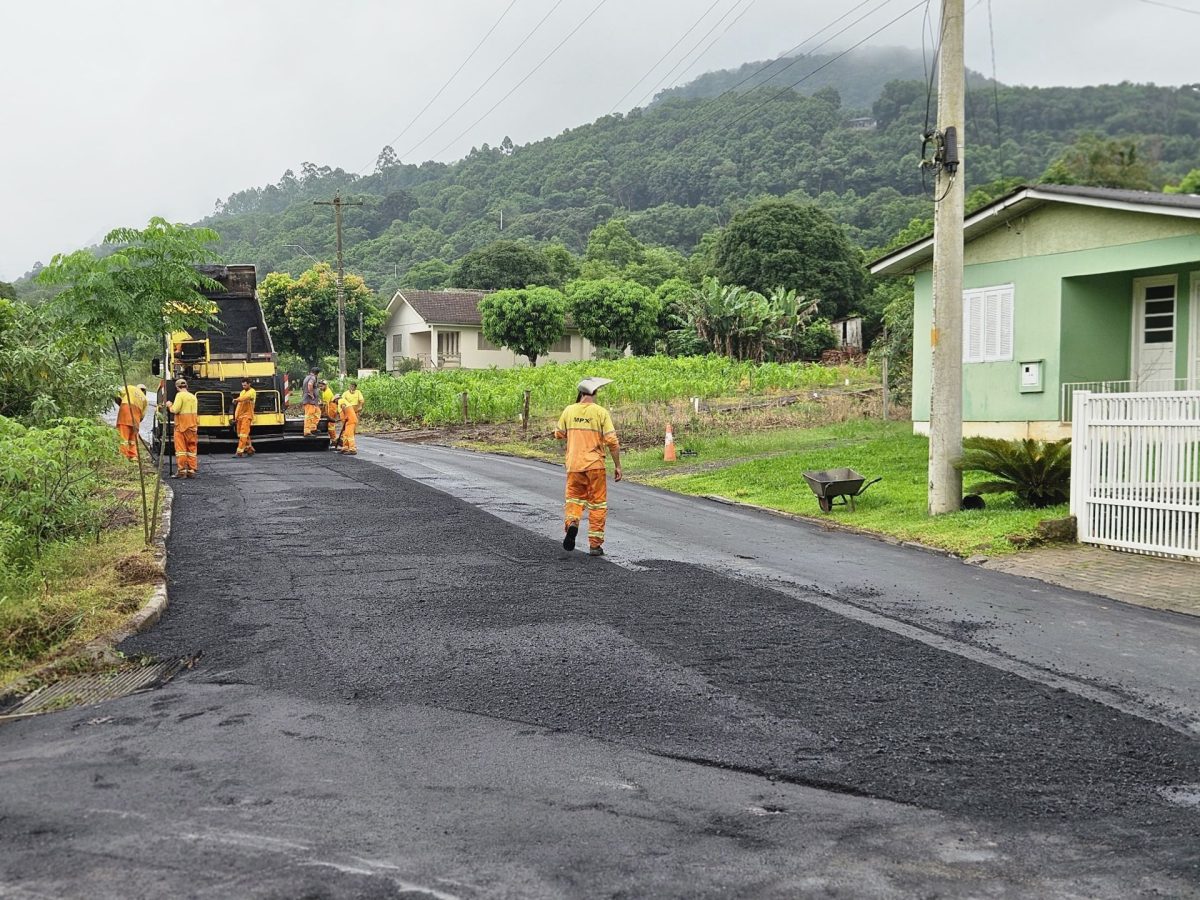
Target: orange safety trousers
127,427
588,490
349,424
187,439
244,448
331,414
312,418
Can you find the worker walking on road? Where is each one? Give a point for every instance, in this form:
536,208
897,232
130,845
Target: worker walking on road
350,405
587,428
331,412
312,402
132,409
187,433
243,417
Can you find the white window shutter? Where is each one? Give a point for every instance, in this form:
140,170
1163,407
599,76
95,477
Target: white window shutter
1006,324
991,339
973,325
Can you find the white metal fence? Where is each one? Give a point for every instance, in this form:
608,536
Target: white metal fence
1135,471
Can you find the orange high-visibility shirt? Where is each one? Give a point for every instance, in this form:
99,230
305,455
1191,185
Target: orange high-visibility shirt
132,407
245,404
588,429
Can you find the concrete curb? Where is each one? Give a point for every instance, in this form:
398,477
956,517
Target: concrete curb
102,647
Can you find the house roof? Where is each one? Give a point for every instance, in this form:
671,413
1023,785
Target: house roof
1026,199
449,307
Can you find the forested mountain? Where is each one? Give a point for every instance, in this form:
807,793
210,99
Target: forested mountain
681,167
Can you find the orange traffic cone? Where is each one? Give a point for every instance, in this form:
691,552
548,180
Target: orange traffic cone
669,445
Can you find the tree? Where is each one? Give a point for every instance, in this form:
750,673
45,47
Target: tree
302,312
526,320
428,275
1093,161
502,264
7,291
148,286
613,243
777,243
564,267
746,325
612,313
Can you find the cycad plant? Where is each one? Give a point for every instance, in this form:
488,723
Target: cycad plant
1038,472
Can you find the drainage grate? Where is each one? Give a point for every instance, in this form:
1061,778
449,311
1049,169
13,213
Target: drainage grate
86,690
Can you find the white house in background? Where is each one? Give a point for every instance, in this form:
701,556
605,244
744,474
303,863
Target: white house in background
442,330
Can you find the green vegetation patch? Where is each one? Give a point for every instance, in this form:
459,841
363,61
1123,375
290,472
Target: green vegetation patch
767,470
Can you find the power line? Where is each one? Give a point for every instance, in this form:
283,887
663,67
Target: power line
724,31
662,58
545,59
703,38
1194,12
824,65
446,84
484,83
995,82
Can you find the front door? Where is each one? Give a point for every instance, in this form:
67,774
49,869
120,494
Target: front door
1154,320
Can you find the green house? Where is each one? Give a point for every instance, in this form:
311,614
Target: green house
1064,289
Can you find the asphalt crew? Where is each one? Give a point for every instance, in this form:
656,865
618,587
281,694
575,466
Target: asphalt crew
187,429
312,402
243,417
588,429
130,412
350,405
329,402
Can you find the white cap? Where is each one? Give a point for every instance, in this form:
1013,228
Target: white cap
591,385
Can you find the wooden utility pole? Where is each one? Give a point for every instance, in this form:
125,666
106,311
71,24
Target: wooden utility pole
945,406
337,203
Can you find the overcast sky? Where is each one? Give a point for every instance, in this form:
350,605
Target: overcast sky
113,112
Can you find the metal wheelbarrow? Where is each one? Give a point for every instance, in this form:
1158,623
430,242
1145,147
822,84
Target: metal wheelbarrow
831,484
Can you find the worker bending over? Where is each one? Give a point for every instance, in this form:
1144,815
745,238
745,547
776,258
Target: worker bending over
350,405
331,412
587,428
243,417
187,430
130,413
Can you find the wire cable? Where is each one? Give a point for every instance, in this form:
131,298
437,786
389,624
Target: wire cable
824,65
995,81
689,52
662,58
724,31
1194,12
484,83
545,59
446,84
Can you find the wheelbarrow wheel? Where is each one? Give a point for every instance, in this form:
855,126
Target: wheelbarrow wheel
825,503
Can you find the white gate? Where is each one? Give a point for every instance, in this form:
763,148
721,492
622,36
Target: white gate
1135,471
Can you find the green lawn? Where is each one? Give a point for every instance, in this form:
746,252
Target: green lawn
765,469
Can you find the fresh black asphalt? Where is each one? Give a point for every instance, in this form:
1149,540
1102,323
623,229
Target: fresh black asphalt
336,609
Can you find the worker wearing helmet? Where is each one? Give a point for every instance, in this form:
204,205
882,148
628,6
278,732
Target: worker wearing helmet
132,408
243,416
329,402
587,428
187,429
350,405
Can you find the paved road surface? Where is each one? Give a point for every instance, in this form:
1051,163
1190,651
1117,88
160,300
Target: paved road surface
398,695
1140,660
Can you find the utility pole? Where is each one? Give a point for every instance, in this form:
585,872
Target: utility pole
337,203
945,403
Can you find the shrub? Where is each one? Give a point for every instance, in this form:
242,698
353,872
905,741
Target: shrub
1038,472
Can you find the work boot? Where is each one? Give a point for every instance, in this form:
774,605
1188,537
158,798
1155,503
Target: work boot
596,551
569,540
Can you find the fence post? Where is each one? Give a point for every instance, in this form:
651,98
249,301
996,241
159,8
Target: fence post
525,415
1080,467
465,409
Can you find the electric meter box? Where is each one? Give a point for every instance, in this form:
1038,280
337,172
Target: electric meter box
1031,376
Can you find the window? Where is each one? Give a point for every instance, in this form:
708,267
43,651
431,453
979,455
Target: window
562,345
447,343
988,324
1159,319
483,343
397,344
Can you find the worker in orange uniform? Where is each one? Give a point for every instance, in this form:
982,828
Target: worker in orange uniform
243,416
331,412
350,406
130,413
187,429
312,402
587,428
